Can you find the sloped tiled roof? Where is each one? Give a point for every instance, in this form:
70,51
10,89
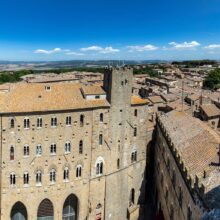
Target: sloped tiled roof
210,110
28,97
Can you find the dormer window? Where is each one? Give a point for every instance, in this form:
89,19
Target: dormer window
97,97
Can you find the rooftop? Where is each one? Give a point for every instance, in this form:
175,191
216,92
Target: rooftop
210,110
198,147
93,90
136,100
156,99
37,97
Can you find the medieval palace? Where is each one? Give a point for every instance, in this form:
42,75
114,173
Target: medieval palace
75,151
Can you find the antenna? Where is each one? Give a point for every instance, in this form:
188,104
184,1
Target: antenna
201,99
182,93
219,154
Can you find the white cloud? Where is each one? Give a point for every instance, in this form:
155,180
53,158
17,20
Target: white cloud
75,53
184,45
55,50
99,49
92,48
147,47
212,46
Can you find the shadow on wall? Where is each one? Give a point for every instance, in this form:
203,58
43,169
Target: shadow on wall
148,210
146,201
212,198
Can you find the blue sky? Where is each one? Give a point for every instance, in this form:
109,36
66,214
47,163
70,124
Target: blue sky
109,29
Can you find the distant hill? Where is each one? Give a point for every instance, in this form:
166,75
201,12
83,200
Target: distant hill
41,65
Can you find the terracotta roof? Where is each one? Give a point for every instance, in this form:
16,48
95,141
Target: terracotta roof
23,97
194,97
156,99
197,145
93,90
135,100
210,110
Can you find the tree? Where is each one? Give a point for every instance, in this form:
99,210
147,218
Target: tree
212,81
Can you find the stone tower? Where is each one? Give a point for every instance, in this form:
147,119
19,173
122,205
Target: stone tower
118,86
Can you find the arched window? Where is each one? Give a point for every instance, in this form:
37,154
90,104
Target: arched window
26,123
101,118
26,178
82,120
168,164
166,194
45,210
70,208
100,139
174,178
180,197
67,147
18,212
12,153
53,176
132,197
26,150
78,171
12,179
133,156
80,147
66,174
118,163
12,123
38,178
38,150
53,149
135,132
171,212
189,213
135,112
99,168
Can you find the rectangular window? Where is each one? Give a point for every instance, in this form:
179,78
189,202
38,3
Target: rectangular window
39,122
68,120
53,121
26,123
53,149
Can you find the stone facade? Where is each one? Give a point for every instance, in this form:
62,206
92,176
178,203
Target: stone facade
186,173
92,161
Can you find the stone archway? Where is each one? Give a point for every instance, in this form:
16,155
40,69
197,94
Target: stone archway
70,208
45,210
19,212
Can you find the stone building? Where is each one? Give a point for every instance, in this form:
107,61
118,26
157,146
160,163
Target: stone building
73,152
211,114
186,168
